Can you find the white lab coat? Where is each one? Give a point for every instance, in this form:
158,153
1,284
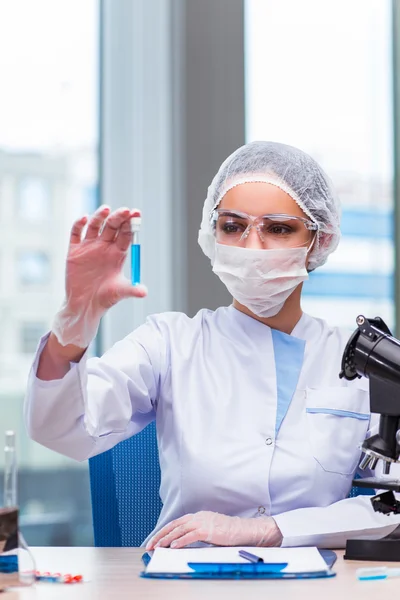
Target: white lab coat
211,384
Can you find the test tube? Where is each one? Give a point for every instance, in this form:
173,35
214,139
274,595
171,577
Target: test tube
135,250
10,470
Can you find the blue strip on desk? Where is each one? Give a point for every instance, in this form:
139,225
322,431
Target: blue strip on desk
237,568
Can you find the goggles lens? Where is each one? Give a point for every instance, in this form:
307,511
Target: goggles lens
274,231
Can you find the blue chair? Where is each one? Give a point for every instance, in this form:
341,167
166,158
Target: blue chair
124,483
359,491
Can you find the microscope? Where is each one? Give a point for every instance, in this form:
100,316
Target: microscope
374,353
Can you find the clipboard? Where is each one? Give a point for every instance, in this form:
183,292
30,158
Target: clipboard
236,571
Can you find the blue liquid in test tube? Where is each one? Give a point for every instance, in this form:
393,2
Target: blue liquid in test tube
135,264
135,251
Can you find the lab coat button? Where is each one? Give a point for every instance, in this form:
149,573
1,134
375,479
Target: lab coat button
268,441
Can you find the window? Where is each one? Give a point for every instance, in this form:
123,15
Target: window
319,77
34,268
34,199
48,160
30,336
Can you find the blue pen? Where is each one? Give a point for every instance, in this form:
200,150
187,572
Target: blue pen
135,249
251,557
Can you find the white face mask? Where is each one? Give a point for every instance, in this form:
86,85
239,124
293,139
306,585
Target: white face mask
261,280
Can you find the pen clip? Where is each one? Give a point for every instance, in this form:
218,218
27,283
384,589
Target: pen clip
250,557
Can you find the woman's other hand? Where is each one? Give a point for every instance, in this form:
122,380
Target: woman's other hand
217,529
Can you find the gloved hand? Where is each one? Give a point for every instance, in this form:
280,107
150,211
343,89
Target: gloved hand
94,279
221,530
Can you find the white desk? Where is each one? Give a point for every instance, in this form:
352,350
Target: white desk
113,574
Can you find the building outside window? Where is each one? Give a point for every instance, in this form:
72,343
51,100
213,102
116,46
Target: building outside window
48,162
30,336
319,76
34,267
34,199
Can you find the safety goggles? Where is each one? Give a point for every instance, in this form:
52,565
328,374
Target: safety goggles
275,231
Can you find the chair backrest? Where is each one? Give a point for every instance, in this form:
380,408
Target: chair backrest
359,491
124,484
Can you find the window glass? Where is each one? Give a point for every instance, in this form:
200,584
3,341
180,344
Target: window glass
48,177
318,76
34,199
30,335
33,267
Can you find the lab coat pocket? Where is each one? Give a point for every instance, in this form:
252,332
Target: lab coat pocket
337,420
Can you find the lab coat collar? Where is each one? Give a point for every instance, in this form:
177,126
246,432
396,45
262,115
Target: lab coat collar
307,327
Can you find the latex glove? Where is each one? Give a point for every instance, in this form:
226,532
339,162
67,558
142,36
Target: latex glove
94,280
221,530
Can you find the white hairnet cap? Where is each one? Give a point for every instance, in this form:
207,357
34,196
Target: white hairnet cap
293,171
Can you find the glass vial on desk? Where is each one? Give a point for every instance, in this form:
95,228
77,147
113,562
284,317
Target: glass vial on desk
9,536
17,565
10,471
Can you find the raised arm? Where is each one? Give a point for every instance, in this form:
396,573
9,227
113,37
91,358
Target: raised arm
93,283
81,407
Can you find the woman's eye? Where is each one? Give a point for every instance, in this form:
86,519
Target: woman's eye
231,228
279,230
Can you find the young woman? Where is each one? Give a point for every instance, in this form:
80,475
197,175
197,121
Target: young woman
258,438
